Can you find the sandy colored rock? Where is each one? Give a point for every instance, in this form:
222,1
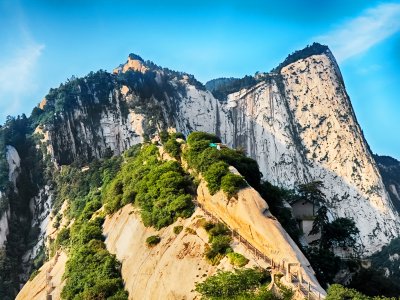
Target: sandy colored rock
135,65
43,103
37,288
170,269
249,215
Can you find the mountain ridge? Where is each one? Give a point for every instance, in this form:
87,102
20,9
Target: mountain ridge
297,122
307,96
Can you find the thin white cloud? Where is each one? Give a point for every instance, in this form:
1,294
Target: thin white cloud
17,76
18,61
360,34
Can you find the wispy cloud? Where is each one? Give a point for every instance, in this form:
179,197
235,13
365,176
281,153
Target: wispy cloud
17,77
19,59
358,35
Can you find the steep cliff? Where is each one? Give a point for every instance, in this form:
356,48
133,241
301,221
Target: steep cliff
25,177
390,170
248,214
14,163
297,122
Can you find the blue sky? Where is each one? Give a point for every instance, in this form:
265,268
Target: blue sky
44,42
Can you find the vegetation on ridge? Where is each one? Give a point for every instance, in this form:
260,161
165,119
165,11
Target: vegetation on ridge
214,164
161,189
238,285
338,292
310,50
91,271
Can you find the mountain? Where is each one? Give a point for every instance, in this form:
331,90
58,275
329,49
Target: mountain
296,121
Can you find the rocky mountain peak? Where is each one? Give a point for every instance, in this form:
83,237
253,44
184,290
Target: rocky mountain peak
310,50
134,63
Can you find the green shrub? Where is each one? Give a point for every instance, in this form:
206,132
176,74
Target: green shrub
338,292
133,151
217,229
160,188
208,157
178,135
240,284
219,239
208,225
91,271
190,230
232,183
213,257
178,229
237,259
246,166
87,232
214,175
90,208
202,136
173,148
57,221
153,240
192,155
63,237
164,136
221,243
213,164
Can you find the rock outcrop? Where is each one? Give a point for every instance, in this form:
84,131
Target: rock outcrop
170,269
248,215
14,163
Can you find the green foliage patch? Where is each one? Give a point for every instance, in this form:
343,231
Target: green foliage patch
237,259
160,188
338,292
91,271
240,284
170,143
178,229
219,239
153,240
214,164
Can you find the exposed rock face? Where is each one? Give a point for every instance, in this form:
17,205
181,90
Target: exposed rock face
40,207
297,122
52,272
4,228
300,127
14,162
134,63
250,217
74,138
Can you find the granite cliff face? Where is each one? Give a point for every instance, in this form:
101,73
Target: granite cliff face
297,122
13,161
390,170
